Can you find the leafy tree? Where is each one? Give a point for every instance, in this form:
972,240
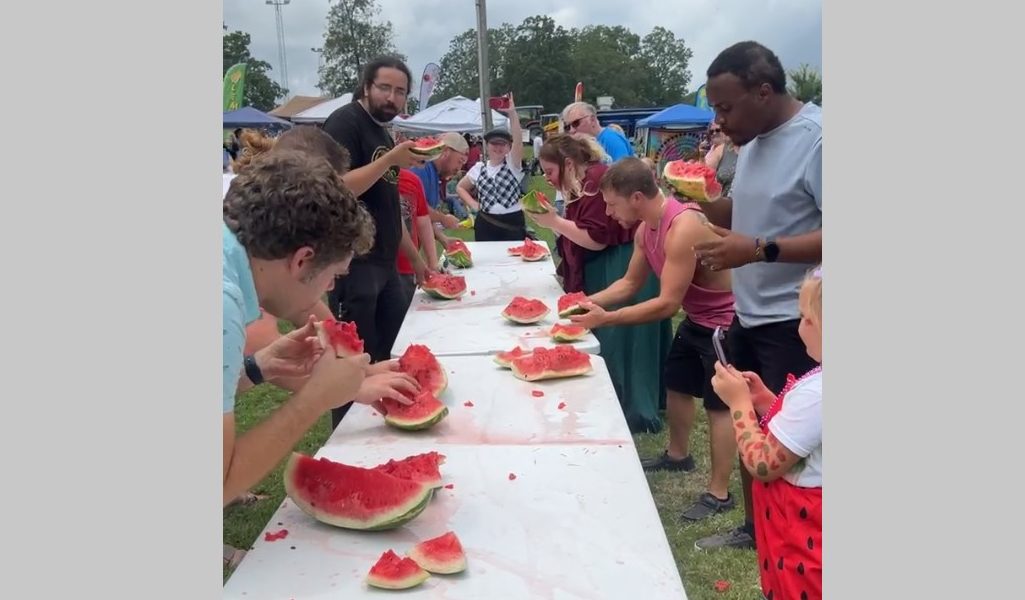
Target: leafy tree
666,59
806,84
353,38
459,66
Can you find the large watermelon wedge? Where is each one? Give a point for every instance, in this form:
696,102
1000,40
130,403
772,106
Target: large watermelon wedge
458,254
421,364
425,412
393,572
535,202
568,333
569,304
422,468
692,179
525,310
443,555
428,147
444,286
353,497
340,336
504,359
561,361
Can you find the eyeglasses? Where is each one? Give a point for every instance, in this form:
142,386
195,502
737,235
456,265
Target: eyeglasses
577,122
388,90
715,131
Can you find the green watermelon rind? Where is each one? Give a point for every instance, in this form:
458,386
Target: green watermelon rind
437,294
460,259
531,203
402,514
413,580
563,338
420,424
691,189
526,320
436,566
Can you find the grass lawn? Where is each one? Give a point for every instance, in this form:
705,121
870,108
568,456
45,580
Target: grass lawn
672,492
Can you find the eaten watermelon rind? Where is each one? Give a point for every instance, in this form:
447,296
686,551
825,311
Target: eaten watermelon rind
403,512
418,424
424,468
459,255
330,328
442,555
421,352
568,333
534,202
416,573
526,368
504,359
574,308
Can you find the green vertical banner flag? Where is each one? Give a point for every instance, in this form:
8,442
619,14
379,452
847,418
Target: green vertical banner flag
234,86
701,98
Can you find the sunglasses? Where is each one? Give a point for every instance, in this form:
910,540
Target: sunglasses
576,123
714,131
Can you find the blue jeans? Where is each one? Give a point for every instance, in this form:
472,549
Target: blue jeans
456,207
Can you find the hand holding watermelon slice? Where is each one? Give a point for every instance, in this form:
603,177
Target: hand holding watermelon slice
693,179
594,318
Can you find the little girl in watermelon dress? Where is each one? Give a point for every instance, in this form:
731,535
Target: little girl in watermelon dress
780,443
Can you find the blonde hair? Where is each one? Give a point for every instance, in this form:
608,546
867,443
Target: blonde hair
813,287
252,143
583,150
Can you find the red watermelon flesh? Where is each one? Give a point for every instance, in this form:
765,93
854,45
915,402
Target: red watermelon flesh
420,363
532,251
352,497
544,363
458,254
341,336
421,468
569,304
393,572
428,146
442,555
692,179
525,310
445,287
424,412
505,359
568,333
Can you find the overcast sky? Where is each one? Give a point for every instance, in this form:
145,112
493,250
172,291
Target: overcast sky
423,28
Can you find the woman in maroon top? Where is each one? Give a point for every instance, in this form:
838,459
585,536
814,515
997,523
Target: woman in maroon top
595,251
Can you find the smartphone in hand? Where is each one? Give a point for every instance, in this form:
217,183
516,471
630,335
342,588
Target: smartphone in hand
499,102
718,342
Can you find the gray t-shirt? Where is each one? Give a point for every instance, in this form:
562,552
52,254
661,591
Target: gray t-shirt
777,192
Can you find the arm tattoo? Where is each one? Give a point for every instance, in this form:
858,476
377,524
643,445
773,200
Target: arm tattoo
762,454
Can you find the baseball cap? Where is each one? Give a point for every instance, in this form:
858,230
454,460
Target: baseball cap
455,141
498,132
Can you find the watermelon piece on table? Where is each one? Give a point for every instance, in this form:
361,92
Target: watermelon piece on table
568,333
558,362
421,364
443,555
525,310
393,572
425,412
422,468
504,359
445,287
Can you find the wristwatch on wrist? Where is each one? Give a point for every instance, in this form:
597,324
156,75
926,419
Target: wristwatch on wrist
771,250
253,371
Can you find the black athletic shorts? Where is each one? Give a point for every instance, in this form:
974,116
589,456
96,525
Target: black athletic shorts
772,351
690,364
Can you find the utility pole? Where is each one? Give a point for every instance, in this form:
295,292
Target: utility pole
320,65
282,60
482,64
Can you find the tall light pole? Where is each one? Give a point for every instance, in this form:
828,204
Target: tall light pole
320,65
282,60
482,64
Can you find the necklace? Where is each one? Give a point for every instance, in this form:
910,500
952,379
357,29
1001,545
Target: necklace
791,384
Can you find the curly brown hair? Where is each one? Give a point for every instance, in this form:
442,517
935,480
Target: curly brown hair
287,200
316,142
252,143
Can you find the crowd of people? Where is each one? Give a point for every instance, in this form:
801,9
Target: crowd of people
349,213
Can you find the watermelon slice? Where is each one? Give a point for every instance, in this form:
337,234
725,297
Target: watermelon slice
458,254
568,333
421,364
558,362
352,497
421,468
569,304
425,412
444,286
504,359
525,310
428,147
533,252
535,202
393,572
692,179
341,336
442,555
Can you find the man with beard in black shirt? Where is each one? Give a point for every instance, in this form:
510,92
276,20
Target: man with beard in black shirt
372,294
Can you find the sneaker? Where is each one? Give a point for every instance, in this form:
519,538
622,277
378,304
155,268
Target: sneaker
706,506
738,538
665,463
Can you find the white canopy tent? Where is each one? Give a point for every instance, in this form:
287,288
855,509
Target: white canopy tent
457,114
320,112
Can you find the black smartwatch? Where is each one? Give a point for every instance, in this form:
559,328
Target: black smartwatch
253,370
771,250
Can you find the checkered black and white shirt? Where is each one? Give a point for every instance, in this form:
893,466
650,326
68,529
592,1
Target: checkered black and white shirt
498,188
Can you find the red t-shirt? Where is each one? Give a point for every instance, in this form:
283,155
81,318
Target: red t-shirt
589,214
413,204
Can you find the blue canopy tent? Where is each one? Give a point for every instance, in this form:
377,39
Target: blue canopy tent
674,133
248,116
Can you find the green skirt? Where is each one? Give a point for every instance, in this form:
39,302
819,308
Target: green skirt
634,353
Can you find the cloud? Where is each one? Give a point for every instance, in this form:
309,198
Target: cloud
423,29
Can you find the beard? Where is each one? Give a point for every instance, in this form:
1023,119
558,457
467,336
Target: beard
383,112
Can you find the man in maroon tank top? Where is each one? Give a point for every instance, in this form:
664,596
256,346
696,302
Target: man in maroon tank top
666,232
